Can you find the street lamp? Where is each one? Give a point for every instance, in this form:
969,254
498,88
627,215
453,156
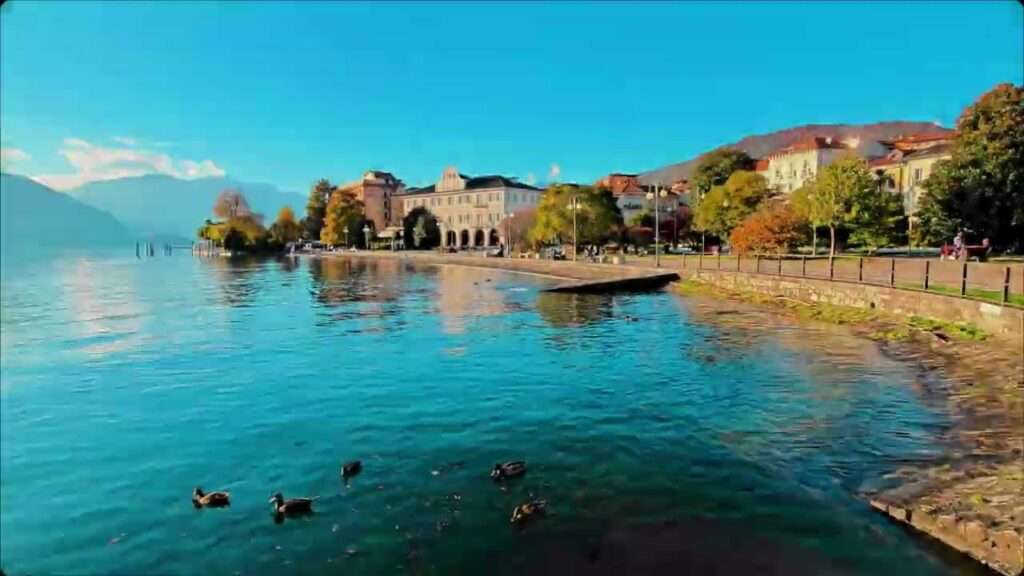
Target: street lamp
508,233
366,235
574,205
656,195
346,236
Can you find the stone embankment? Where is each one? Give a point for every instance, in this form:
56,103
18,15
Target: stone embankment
574,276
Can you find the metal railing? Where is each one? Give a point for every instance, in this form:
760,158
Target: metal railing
988,282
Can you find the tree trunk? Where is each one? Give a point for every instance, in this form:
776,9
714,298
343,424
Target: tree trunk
832,241
814,240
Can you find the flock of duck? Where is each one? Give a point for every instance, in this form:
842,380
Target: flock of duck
301,506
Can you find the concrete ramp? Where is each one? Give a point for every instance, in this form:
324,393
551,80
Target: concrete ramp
632,283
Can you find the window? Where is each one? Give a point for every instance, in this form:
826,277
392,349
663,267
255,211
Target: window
917,175
449,200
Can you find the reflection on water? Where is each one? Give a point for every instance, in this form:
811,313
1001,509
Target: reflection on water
667,437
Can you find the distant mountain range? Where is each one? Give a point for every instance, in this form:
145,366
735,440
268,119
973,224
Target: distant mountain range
164,205
762,144
34,216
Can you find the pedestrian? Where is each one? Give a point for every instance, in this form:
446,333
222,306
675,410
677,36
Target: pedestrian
958,245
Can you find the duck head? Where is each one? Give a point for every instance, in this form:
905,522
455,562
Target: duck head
496,472
197,492
277,499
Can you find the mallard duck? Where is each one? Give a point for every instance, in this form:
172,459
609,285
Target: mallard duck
508,470
201,499
524,512
350,469
292,506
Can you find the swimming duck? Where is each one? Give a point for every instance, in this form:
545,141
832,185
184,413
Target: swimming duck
508,470
292,506
524,512
201,499
350,469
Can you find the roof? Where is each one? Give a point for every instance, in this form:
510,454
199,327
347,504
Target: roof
918,141
476,183
810,143
762,165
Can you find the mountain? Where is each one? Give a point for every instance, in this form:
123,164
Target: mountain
32,215
762,144
160,204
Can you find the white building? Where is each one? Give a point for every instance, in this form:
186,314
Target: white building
790,167
470,210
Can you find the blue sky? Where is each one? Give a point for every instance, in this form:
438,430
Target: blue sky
287,93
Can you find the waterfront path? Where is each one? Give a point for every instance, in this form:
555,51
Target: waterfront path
574,276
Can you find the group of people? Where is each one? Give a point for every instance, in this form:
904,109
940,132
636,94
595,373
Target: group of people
961,251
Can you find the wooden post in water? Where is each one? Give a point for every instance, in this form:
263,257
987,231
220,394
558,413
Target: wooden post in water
927,265
963,279
1006,285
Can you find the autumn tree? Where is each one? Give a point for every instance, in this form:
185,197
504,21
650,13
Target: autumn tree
714,168
981,186
597,216
728,204
316,208
285,229
231,203
343,212
516,229
773,228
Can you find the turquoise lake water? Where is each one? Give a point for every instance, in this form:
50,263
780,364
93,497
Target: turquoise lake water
666,437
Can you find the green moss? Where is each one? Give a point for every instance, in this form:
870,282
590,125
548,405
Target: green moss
889,327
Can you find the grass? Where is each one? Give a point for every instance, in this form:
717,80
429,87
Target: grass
885,326
995,296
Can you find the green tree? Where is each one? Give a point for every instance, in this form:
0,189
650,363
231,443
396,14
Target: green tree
876,218
285,229
420,230
343,212
844,193
981,187
597,217
715,167
316,208
728,204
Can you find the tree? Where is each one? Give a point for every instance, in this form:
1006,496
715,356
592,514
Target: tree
316,208
343,212
728,204
715,167
517,228
231,203
420,230
981,187
842,193
597,218
877,218
285,229
774,228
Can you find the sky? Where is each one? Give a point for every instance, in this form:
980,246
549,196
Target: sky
286,93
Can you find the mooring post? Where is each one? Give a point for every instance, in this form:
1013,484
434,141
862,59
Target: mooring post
1006,285
963,279
927,265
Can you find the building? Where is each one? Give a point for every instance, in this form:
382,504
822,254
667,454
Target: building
908,162
631,196
470,210
791,167
376,190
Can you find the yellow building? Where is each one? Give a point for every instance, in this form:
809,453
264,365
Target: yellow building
909,162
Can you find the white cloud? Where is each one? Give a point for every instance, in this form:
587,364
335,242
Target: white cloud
10,156
93,162
555,172
126,140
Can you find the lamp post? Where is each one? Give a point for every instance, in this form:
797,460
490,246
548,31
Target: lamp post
574,205
657,194
508,232
702,231
366,235
346,236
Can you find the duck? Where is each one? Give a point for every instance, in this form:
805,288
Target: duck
524,512
350,469
201,499
292,506
508,470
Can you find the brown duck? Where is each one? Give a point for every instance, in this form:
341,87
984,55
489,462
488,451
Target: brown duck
201,499
292,506
508,470
528,511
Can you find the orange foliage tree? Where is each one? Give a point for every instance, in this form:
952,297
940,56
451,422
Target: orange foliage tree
773,228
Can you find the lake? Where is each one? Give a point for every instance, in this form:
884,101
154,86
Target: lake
666,437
